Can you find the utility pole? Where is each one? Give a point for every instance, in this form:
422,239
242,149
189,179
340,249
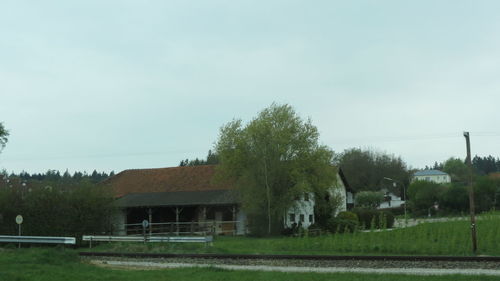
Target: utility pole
471,196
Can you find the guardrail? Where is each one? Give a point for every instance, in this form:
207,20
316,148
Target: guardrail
172,239
37,239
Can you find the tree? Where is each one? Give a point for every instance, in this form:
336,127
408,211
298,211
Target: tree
484,165
211,159
457,169
424,195
369,199
272,160
3,136
366,170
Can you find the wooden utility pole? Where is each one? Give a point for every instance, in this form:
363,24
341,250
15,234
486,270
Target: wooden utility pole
471,196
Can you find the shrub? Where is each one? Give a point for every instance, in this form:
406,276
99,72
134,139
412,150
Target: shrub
374,218
343,222
369,199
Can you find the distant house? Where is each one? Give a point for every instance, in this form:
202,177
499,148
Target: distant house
185,200
432,175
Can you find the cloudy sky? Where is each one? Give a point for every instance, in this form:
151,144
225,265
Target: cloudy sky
113,85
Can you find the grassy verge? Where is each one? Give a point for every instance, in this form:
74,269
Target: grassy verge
443,238
61,265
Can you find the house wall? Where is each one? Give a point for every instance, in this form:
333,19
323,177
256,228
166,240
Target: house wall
302,213
119,220
340,191
241,226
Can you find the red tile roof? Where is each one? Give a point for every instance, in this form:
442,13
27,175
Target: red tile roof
187,178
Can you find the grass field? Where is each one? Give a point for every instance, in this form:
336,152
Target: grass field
443,238
38,264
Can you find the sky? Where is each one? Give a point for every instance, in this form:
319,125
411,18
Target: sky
114,85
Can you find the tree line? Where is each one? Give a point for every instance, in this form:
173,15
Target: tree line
482,165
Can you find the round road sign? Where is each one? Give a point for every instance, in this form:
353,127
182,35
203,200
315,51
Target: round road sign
19,219
145,223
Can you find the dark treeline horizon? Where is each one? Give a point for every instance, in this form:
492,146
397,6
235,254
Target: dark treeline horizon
55,175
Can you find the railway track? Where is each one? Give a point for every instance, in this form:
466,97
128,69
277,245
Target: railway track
296,257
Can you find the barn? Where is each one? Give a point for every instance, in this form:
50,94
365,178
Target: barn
186,200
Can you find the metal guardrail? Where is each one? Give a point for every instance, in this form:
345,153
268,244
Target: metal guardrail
174,239
37,239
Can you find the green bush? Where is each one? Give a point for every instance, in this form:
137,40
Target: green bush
343,222
85,209
369,218
348,216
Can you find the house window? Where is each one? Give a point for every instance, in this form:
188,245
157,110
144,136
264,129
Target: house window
292,217
302,219
311,218
306,196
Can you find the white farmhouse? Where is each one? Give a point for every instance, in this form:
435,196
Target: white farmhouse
432,175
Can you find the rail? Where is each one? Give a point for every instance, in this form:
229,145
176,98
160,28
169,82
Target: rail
184,228
37,239
147,238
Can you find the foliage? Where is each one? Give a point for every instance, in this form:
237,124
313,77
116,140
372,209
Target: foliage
423,195
366,170
485,165
372,219
454,199
457,170
47,211
486,191
325,207
272,160
343,222
211,159
369,199
3,136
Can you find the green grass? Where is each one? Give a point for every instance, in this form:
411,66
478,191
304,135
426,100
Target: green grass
445,238
54,264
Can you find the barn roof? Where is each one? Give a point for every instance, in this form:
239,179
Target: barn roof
175,179
179,198
176,186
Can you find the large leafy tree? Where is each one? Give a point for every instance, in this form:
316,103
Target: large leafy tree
457,169
3,136
273,159
366,170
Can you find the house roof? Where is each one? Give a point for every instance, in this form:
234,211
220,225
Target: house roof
430,173
179,198
187,178
176,186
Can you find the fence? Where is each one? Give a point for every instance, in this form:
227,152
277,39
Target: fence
37,239
184,228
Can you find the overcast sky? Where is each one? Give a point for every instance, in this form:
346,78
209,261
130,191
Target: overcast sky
114,85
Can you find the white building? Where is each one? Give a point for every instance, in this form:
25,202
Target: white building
432,175
303,212
391,201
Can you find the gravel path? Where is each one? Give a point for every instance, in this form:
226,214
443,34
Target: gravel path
348,267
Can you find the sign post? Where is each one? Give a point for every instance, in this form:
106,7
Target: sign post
19,221
145,224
